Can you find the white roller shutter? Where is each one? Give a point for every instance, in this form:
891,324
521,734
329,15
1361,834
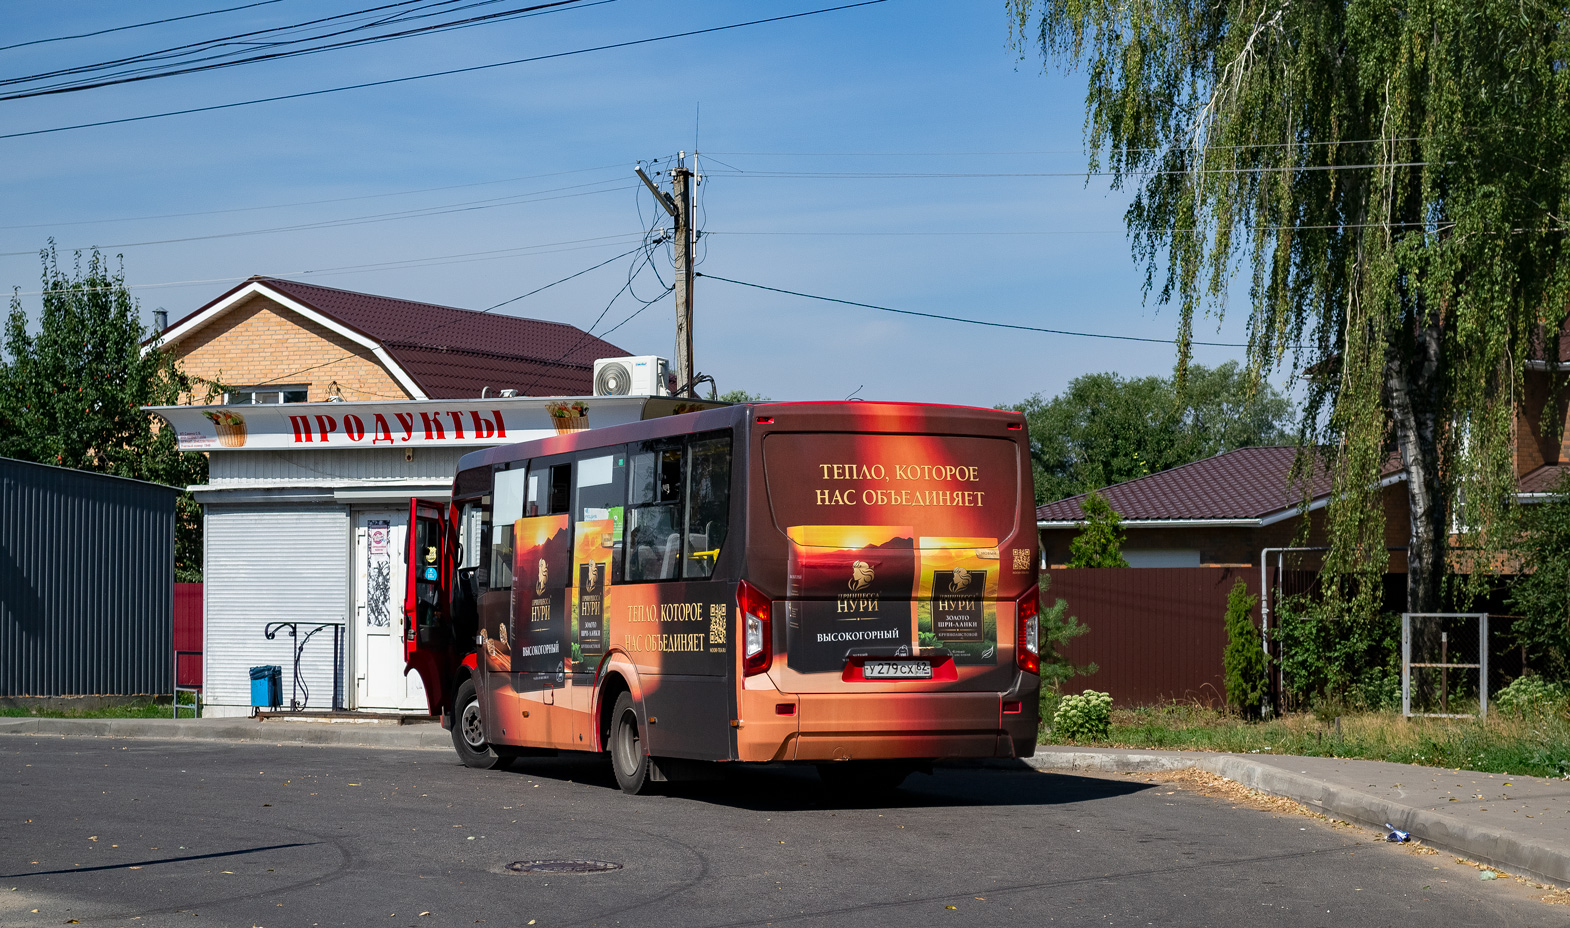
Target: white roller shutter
264,565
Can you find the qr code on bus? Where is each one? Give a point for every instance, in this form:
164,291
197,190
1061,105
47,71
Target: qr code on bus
1021,558
717,623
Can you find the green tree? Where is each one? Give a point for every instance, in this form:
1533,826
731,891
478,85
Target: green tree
1395,177
71,391
1105,429
742,396
1100,542
1057,629
1243,661
1540,596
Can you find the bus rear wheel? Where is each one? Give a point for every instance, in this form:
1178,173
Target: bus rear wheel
468,732
629,760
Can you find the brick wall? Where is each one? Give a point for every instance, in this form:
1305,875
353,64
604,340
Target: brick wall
261,342
1534,448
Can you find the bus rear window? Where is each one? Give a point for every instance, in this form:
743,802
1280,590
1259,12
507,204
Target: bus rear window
948,490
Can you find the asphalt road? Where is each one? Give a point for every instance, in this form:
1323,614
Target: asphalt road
163,833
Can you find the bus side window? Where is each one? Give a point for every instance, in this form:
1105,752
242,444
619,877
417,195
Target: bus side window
506,508
653,544
708,505
601,495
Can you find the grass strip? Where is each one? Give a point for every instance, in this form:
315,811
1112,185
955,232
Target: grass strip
1523,745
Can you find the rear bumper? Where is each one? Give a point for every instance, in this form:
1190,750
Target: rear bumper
889,726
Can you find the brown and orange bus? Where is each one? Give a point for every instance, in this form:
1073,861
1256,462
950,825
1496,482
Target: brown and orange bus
846,584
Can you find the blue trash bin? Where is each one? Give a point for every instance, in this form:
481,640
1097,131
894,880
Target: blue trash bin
267,686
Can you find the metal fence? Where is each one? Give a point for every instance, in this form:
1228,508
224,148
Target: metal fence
1444,664
86,583
1156,633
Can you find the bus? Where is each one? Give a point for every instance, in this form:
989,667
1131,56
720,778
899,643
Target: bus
852,585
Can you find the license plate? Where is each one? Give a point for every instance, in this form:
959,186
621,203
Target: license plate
897,670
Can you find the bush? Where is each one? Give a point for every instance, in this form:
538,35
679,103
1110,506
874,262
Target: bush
1243,661
1086,716
1349,661
1530,694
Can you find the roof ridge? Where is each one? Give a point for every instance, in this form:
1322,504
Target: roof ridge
556,362
1102,491
398,299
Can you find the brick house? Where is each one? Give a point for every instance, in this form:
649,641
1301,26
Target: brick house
1218,512
270,341
1222,511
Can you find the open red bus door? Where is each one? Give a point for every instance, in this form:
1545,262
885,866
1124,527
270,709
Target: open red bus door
427,620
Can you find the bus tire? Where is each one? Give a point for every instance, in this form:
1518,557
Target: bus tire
629,760
864,777
468,732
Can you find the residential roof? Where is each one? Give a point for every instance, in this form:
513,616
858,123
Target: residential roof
455,353
1248,483
1544,479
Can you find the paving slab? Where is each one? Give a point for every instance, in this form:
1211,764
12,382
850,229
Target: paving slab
1518,824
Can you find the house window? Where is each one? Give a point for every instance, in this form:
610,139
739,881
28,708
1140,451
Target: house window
265,396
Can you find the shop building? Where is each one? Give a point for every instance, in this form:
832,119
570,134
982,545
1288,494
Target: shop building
340,408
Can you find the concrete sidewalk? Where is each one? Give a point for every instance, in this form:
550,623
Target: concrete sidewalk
369,734
1519,824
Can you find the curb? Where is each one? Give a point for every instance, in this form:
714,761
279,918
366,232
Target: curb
1509,851
358,734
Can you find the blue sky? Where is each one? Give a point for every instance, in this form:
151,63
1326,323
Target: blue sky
538,157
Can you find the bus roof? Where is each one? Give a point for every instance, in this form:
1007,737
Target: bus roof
811,415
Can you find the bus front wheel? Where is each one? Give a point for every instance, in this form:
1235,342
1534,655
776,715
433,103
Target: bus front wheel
468,732
629,760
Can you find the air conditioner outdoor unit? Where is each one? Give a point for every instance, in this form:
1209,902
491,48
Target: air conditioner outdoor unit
644,375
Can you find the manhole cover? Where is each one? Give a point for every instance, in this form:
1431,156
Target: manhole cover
563,866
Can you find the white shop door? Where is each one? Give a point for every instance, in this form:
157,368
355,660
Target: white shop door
380,539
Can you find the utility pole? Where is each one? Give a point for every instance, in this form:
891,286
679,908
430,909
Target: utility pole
679,207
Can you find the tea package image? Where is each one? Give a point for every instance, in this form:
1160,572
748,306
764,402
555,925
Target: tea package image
540,584
956,606
850,590
591,568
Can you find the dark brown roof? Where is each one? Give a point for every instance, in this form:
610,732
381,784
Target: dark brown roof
453,353
1544,479
1249,483
456,353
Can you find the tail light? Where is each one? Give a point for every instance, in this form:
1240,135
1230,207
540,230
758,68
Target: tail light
1027,646
756,634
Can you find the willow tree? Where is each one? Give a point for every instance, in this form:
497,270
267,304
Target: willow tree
1393,178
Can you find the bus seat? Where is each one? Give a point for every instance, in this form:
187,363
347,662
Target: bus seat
670,569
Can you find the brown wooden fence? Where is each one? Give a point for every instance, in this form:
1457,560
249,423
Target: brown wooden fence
1156,633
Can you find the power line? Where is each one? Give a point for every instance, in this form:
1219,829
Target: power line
995,325
1027,232
954,175
141,74
364,196
1054,151
254,37
522,251
443,325
152,22
471,206
416,77
564,279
